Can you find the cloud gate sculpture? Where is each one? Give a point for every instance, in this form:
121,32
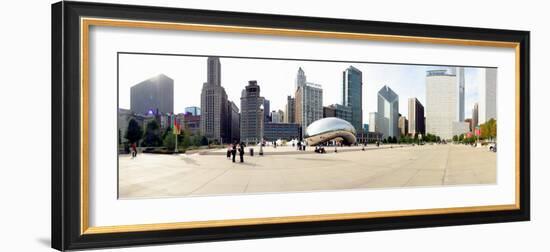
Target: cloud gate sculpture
330,128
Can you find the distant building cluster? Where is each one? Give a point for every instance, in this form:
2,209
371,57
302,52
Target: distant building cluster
220,120
444,114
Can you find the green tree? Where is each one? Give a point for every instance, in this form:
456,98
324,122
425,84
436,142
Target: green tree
152,135
195,140
167,131
169,140
430,138
455,138
186,140
204,141
405,139
489,129
133,133
492,128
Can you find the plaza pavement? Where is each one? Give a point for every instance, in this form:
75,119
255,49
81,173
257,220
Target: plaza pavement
158,175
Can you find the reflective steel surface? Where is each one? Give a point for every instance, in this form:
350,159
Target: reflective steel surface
331,128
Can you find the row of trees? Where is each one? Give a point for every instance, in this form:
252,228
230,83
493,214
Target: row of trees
154,136
488,131
410,139
431,138
463,138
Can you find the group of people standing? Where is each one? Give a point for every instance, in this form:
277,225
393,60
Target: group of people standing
232,150
300,146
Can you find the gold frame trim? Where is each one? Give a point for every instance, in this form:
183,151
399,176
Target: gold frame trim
85,24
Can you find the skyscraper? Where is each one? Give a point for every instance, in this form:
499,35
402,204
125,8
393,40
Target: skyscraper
309,101
388,112
403,125
329,111
267,111
488,95
461,91
373,118
214,104
214,71
459,73
338,111
252,117
300,78
290,110
416,117
154,95
277,116
443,102
233,129
475,116
351,95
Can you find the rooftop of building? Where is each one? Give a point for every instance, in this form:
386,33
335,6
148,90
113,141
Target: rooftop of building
354,69
315,85
388,93
438,73
154,79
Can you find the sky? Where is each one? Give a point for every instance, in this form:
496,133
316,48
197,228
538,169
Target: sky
277,79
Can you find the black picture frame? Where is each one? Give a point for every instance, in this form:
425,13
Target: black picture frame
66,141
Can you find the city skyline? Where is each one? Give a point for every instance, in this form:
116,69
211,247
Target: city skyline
222,129
188,73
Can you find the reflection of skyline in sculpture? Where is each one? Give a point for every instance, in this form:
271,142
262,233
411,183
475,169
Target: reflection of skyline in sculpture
330,128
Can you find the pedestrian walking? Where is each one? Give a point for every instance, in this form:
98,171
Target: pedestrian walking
234,152
241,152
229,149
134,150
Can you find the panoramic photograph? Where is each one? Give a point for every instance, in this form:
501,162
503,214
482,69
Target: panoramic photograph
202,125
